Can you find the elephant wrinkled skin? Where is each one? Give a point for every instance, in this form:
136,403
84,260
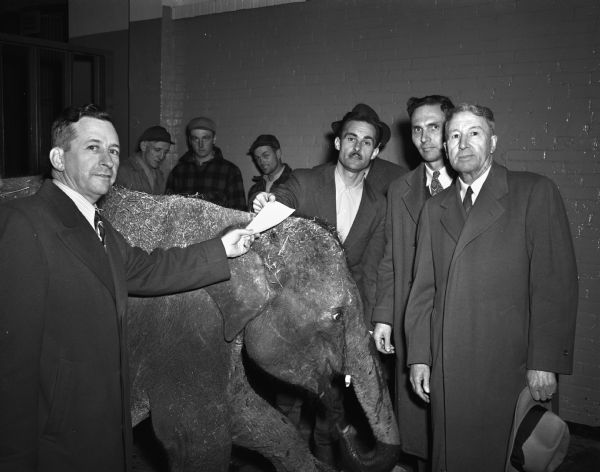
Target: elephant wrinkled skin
290,303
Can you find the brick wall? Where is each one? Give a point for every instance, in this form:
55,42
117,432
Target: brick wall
291,70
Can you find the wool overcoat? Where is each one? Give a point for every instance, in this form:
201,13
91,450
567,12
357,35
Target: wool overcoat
494,294
64,393
312,193
405,200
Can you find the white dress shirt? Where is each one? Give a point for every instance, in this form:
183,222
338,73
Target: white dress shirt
475,186
444,177
347,201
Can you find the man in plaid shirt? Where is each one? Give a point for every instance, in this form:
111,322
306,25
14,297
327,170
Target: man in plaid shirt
203,171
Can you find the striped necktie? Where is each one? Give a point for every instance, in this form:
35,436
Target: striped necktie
99,227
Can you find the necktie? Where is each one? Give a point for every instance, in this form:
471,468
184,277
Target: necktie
467,201
435,186
99,227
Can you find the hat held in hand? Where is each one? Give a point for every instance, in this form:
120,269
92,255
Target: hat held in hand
539,438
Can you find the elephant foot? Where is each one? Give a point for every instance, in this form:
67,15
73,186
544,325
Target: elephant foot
382,458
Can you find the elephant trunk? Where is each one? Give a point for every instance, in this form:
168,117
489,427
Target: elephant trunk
363,364
381,458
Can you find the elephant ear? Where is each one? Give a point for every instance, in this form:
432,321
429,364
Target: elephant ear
244,295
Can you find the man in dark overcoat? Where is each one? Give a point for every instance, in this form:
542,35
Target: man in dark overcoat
65,278
494,299
406,196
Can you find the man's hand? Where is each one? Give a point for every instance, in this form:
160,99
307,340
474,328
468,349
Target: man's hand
419,379
542,385
261,200
237,241
382,335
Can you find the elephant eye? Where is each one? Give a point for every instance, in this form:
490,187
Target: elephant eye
337,314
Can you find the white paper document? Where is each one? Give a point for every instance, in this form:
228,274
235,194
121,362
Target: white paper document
270,215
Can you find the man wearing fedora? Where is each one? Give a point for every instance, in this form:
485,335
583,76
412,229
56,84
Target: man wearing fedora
338,194
405,200
203,171
142,171
265,151
493,303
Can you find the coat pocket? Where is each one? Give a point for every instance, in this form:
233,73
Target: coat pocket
62,393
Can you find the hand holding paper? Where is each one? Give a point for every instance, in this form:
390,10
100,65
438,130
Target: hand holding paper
270,215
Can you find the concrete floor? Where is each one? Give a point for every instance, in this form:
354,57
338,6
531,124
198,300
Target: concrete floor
583,455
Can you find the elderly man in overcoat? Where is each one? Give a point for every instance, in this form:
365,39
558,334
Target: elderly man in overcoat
494,299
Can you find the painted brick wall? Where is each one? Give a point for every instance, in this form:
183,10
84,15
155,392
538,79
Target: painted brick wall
291,70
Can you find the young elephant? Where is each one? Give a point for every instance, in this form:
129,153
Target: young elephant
290,304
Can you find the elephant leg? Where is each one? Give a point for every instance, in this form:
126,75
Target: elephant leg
257,426
196,438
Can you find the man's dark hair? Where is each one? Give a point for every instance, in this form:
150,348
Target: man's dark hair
477,110
62,128
415,102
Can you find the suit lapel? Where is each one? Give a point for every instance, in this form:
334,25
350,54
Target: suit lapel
327,190
364,215
452,213
414,197
77,234
487,208
120,283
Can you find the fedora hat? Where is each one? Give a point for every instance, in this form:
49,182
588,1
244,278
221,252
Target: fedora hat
539,439
363,112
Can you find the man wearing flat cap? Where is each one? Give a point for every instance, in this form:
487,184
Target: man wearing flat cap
203,171
142,171
266,154
339,194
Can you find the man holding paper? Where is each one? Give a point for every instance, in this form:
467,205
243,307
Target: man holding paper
339,195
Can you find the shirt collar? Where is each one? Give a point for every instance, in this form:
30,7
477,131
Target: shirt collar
86,208
339,181
475,185
444,177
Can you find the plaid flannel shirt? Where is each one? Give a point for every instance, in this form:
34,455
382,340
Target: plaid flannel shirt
218,180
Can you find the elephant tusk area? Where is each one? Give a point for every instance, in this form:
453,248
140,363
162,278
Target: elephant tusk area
347,380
